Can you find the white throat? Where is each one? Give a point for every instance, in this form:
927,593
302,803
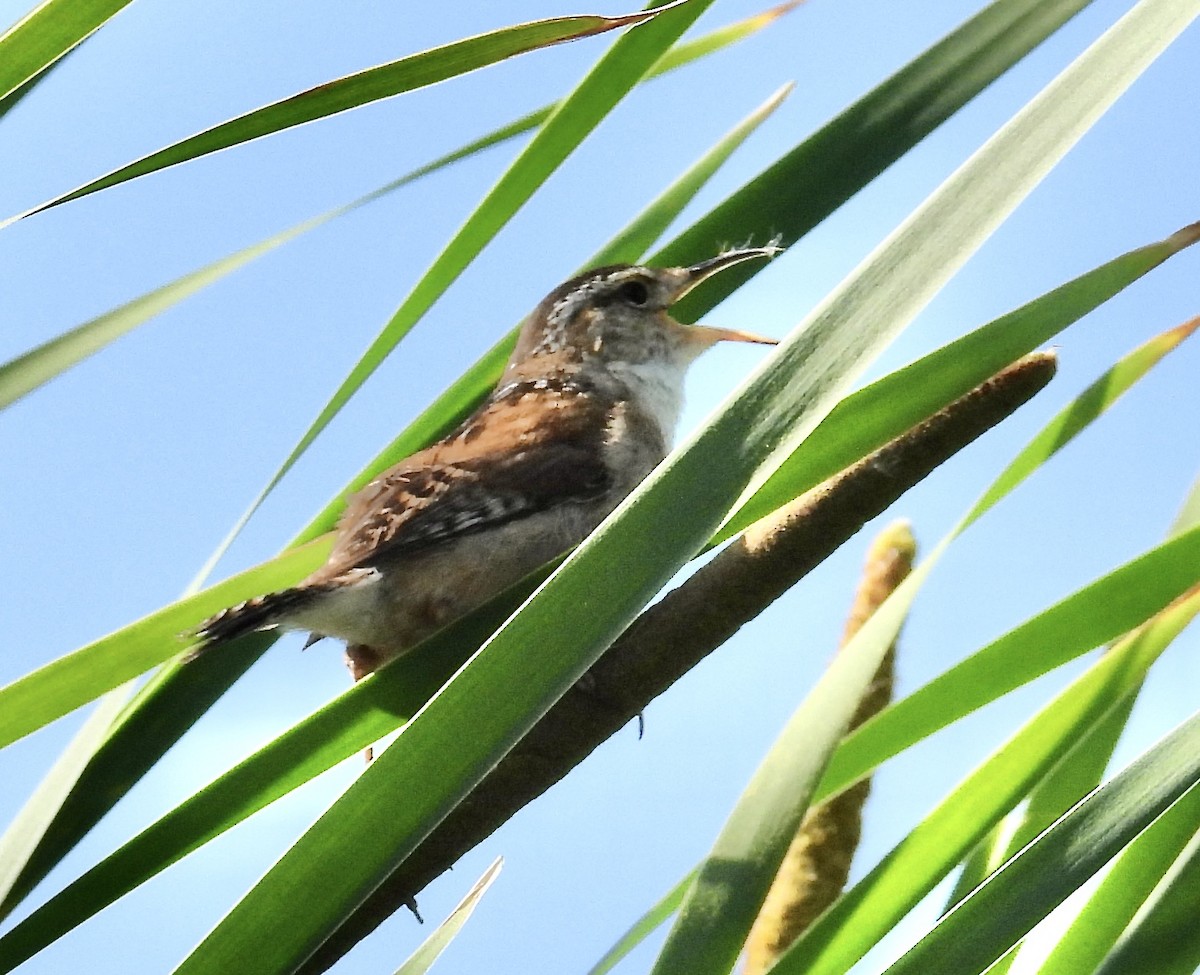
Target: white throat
655,389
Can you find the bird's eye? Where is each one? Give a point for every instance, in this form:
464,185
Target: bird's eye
634,293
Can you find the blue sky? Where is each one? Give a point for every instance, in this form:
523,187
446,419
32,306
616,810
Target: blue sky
125,473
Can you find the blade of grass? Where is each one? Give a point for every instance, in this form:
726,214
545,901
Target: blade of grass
1099,922
28,829
860,918
862,141
424,957
22,375
1080,771
1095,614
1045,642
1078,774
667,905
1129,889
64,684
1163,938
542,650
1012,901
13,98
46,33
362,88
358,717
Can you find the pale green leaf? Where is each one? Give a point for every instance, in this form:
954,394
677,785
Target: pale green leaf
64,684
1128,889
859,919
361,88
25,373
1012,901
730,886
424,957
642,928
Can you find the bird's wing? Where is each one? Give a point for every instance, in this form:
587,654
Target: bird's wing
507,462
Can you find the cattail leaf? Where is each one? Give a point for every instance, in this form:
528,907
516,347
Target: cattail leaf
1011,902
362,88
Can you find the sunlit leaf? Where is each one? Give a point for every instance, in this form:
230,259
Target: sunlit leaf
1012,901
45,34
436,943
361,88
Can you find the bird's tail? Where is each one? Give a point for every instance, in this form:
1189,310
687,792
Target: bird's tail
259,613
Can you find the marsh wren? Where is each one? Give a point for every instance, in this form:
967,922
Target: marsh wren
585,409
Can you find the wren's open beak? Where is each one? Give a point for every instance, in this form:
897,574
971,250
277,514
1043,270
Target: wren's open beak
698,273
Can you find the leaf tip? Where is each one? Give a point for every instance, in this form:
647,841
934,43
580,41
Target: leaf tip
1185,236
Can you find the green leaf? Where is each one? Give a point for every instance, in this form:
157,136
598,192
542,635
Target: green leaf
13,98
1021,655
874,415
732,883
424,957
1162,937
362,88
1012,901
1073,778
856,922
1100,612
643,927
1124,892
45,34
64,684
1080,771
466,728
25,373
26,832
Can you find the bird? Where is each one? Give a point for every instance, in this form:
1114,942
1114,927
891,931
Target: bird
586,407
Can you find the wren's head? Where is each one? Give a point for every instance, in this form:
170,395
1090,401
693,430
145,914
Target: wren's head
611,326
